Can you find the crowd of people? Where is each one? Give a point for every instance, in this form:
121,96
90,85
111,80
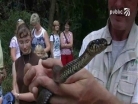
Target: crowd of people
111,77
33,46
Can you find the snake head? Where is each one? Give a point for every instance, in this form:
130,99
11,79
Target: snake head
56,73
97,45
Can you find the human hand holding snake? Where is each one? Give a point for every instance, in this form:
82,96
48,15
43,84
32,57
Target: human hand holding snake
62,75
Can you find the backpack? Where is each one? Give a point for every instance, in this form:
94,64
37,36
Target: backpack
8,98
53,37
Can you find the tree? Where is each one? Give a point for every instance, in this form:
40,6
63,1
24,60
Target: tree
51,14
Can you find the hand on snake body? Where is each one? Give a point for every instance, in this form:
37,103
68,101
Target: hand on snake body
61,74
80,88
43,70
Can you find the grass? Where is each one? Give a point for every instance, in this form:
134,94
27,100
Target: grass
7,84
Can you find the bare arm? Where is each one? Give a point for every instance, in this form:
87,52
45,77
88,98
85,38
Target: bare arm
111,100
105,97
29,97
114,100
51,50
13,53
69,45
47,42
80,88
14,83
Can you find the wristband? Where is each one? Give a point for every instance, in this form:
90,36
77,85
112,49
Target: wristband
18,95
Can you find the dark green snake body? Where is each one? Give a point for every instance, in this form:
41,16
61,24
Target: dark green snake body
60,74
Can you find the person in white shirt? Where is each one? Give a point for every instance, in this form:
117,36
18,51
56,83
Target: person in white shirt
55,41
39,34
14,47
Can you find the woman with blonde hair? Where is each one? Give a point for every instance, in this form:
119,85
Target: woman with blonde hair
14,47
39,34
55,41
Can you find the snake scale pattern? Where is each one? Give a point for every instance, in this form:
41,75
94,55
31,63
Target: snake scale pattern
60,74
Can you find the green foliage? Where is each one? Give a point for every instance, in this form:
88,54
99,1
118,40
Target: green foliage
44,23
6,33
75,53
85,16
7,84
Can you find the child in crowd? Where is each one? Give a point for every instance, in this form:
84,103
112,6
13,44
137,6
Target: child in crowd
39,51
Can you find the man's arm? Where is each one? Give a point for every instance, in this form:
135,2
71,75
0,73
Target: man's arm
80,88
110,100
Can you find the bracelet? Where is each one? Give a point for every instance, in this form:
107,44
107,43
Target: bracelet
18,95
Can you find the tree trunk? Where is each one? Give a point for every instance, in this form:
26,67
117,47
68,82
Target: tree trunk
68,15
51,14
57,11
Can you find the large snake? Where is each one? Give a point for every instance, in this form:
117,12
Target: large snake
60,74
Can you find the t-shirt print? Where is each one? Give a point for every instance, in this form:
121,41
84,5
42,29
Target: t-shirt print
57,44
